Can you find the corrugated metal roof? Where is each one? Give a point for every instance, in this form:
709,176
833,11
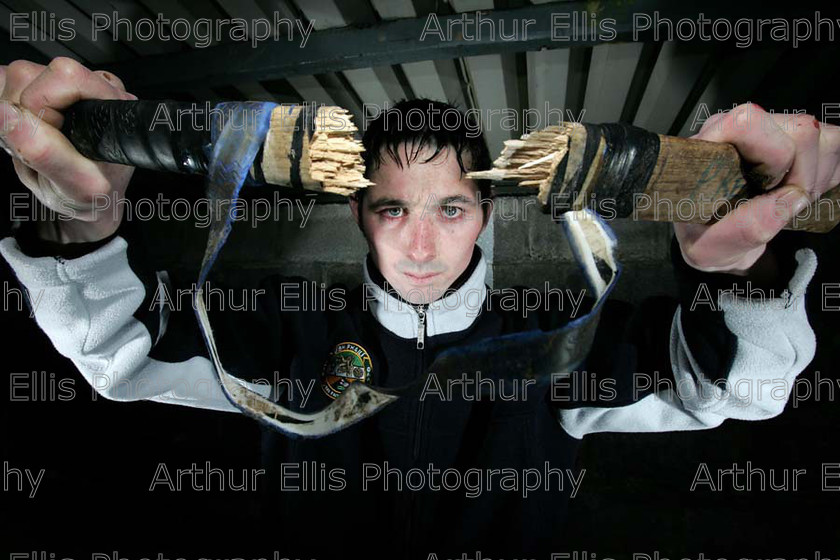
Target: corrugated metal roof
657,86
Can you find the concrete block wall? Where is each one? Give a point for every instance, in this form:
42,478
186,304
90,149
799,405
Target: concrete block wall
530,249
522,246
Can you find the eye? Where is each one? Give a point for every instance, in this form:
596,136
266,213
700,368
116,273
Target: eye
391,213
451,211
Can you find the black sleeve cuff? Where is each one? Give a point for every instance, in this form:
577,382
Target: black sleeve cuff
711,343
32,245
688,276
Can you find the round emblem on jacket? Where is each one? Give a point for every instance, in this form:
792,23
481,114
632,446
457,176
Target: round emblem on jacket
347,363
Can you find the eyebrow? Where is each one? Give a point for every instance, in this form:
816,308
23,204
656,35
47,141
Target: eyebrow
379,203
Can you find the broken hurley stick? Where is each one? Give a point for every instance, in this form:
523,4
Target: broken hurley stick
307,147
620,171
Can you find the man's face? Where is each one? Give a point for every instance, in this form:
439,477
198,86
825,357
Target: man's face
421,222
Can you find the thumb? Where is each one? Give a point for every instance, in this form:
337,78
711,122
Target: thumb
739,239
790,200
754,223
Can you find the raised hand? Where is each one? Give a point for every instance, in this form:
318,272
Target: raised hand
796,154
32,99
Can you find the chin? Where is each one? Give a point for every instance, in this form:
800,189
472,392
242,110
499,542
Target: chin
430,292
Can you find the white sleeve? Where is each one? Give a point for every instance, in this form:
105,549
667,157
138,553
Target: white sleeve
86,306
775,343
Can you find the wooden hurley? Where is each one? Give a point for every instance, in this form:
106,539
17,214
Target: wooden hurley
624,171
328,160
307,147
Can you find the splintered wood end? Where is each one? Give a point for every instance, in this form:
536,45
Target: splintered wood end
328,161
531,160
335,155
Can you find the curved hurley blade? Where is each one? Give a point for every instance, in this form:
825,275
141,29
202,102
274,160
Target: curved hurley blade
235,147
356,403
593,245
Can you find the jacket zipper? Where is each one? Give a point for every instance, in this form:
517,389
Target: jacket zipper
421,345
421,328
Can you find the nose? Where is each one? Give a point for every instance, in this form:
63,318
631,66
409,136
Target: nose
423,240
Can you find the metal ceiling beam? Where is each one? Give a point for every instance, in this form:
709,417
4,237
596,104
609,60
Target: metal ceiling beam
580,59
676,71
14,50
515,71
610,74
132,12
393,78
339,88
641,77
712,66
451,72
394,42
739,72
81,46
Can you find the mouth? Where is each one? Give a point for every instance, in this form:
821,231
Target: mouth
421,278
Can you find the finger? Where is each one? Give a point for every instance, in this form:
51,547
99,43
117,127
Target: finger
117,83
26,175
758,139
2,77
64,82
712,121
45,150
828,168
19,74
804,130
739,239
111,79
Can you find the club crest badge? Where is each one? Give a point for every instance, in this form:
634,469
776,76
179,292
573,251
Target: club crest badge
348,363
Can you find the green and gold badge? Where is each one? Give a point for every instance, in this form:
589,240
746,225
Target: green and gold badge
348,363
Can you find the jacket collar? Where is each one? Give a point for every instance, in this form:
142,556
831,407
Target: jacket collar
455,311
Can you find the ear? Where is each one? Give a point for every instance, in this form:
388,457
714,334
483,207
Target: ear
486,213
354,207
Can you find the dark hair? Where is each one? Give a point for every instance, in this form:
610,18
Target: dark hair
442,126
